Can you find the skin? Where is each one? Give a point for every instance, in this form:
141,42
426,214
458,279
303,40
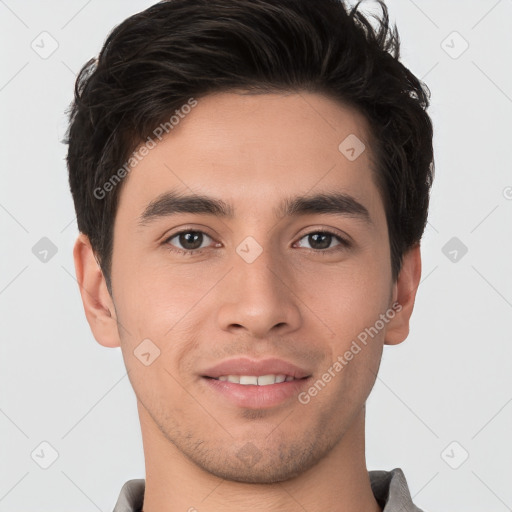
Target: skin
291,302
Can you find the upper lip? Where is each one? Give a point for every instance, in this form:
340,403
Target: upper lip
245,366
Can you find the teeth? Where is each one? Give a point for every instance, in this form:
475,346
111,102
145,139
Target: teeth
263,380
244,379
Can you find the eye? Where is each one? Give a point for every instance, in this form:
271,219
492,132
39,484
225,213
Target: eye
321,240
188,241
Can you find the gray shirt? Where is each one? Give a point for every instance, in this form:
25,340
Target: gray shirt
389,488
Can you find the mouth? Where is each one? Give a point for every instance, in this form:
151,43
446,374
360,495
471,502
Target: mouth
257,392
257,380
255,384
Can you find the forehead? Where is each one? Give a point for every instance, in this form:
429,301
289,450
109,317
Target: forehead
253,150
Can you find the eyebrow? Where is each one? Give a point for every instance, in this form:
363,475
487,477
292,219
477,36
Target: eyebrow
171,203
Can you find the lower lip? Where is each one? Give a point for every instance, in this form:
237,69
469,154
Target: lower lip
257,397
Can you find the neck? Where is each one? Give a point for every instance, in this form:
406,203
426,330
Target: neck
338,482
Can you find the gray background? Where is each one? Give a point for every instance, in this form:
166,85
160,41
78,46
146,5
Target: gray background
443,395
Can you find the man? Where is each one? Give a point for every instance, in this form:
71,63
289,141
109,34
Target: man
251,180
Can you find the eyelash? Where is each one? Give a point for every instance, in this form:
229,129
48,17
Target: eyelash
343,243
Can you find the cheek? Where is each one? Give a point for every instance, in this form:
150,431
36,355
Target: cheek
349,303
163,305
152,294
352,310
159,315
347,298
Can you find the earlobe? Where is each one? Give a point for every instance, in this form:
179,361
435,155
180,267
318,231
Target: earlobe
98,306
405,290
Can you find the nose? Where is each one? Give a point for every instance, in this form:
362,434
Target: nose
259,298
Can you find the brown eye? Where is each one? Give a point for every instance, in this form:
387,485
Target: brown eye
322,240
189,240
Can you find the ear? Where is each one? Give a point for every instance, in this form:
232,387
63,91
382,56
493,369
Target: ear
98,304
404,294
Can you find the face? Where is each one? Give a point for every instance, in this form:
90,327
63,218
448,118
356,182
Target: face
248,271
